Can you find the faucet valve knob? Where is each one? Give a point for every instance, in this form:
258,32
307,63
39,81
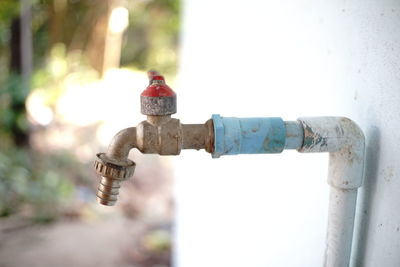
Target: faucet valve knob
112,173
158,99
151,74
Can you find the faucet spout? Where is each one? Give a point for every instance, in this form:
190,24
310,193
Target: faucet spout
114,166
156,135
122,143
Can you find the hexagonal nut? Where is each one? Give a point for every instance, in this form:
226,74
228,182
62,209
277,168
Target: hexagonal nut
118,170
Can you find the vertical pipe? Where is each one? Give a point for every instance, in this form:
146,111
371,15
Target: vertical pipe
342,206
344,141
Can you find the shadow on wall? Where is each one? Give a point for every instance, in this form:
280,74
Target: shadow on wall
368,192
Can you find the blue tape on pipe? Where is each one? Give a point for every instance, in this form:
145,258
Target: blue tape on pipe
248,135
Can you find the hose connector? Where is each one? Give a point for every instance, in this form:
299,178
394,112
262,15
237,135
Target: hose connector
112,173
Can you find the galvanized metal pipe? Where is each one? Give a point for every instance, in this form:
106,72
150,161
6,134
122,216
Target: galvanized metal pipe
198,136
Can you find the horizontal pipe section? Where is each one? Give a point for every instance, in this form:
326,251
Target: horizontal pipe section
294,135
194,136
248,135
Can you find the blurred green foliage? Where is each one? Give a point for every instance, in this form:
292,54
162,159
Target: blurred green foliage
158,240
152,41
64,33
61,68
39,184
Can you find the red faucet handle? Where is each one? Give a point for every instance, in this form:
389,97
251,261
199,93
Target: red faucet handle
158,88
158,98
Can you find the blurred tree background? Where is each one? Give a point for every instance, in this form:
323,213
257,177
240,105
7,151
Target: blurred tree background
67,44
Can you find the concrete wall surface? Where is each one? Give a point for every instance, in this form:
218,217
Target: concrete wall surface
288,59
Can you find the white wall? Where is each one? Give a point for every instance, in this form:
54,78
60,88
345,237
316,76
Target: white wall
287,59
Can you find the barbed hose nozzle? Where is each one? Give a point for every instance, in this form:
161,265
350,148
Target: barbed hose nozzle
112,173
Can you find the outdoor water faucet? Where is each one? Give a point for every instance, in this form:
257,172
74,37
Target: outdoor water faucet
159,134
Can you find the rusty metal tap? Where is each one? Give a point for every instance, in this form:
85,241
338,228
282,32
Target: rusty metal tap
159,134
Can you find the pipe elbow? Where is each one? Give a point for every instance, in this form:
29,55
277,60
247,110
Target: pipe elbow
346,166
345,142
122,143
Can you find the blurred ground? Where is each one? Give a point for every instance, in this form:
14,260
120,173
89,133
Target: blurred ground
112,241
100,244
